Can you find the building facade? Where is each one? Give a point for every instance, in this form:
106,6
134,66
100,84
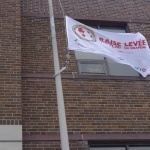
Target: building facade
107,104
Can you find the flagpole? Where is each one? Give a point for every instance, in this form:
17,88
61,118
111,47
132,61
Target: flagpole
59,91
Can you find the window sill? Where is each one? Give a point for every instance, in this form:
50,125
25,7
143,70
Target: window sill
75,75
109,77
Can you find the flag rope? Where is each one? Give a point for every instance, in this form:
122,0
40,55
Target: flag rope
62,8
68,52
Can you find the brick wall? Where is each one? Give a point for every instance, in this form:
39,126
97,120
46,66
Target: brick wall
39,106
93,106
10,63
129,9
143,28
36,53
78,145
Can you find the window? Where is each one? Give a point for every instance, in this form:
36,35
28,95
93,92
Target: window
122,148
139,148
97,65
109,148
91,63
127,147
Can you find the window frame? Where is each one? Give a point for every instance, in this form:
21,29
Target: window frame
92,61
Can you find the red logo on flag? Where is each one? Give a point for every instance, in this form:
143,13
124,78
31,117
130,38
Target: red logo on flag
84,33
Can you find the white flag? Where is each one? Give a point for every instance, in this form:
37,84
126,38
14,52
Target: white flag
125,48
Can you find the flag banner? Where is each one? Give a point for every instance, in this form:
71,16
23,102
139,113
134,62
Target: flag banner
126,48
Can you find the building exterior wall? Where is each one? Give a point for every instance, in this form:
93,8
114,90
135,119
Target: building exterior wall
10,75
98,108
10,62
